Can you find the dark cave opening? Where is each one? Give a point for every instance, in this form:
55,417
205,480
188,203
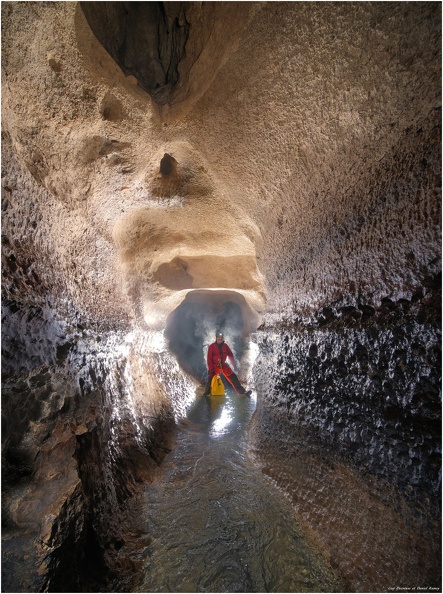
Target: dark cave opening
145,39
167,165
191,327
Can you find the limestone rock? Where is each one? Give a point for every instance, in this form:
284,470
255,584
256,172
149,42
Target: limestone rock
170,168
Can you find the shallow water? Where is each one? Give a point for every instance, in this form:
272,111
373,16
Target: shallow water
216,523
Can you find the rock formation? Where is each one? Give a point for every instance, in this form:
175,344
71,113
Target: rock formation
270,168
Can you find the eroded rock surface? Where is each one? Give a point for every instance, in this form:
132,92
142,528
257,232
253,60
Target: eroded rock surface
282,157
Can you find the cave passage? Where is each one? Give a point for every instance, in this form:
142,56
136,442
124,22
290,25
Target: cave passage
215,523
192,326
146,39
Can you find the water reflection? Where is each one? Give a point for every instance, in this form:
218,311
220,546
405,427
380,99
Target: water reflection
223,415
215,523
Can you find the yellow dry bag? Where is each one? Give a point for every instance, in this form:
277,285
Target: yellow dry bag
217,387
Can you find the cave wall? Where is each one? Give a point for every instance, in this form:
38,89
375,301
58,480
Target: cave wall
81,431
365,382
88,407
351,412
287,151
363,371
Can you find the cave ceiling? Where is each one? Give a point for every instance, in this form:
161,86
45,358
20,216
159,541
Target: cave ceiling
272,149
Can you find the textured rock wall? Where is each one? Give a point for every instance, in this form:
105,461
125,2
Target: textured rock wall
364,371
80,433
365,382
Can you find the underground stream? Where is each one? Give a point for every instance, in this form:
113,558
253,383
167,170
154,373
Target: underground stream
216,523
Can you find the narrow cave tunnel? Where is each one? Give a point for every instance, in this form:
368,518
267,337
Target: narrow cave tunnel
191,327
202,156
